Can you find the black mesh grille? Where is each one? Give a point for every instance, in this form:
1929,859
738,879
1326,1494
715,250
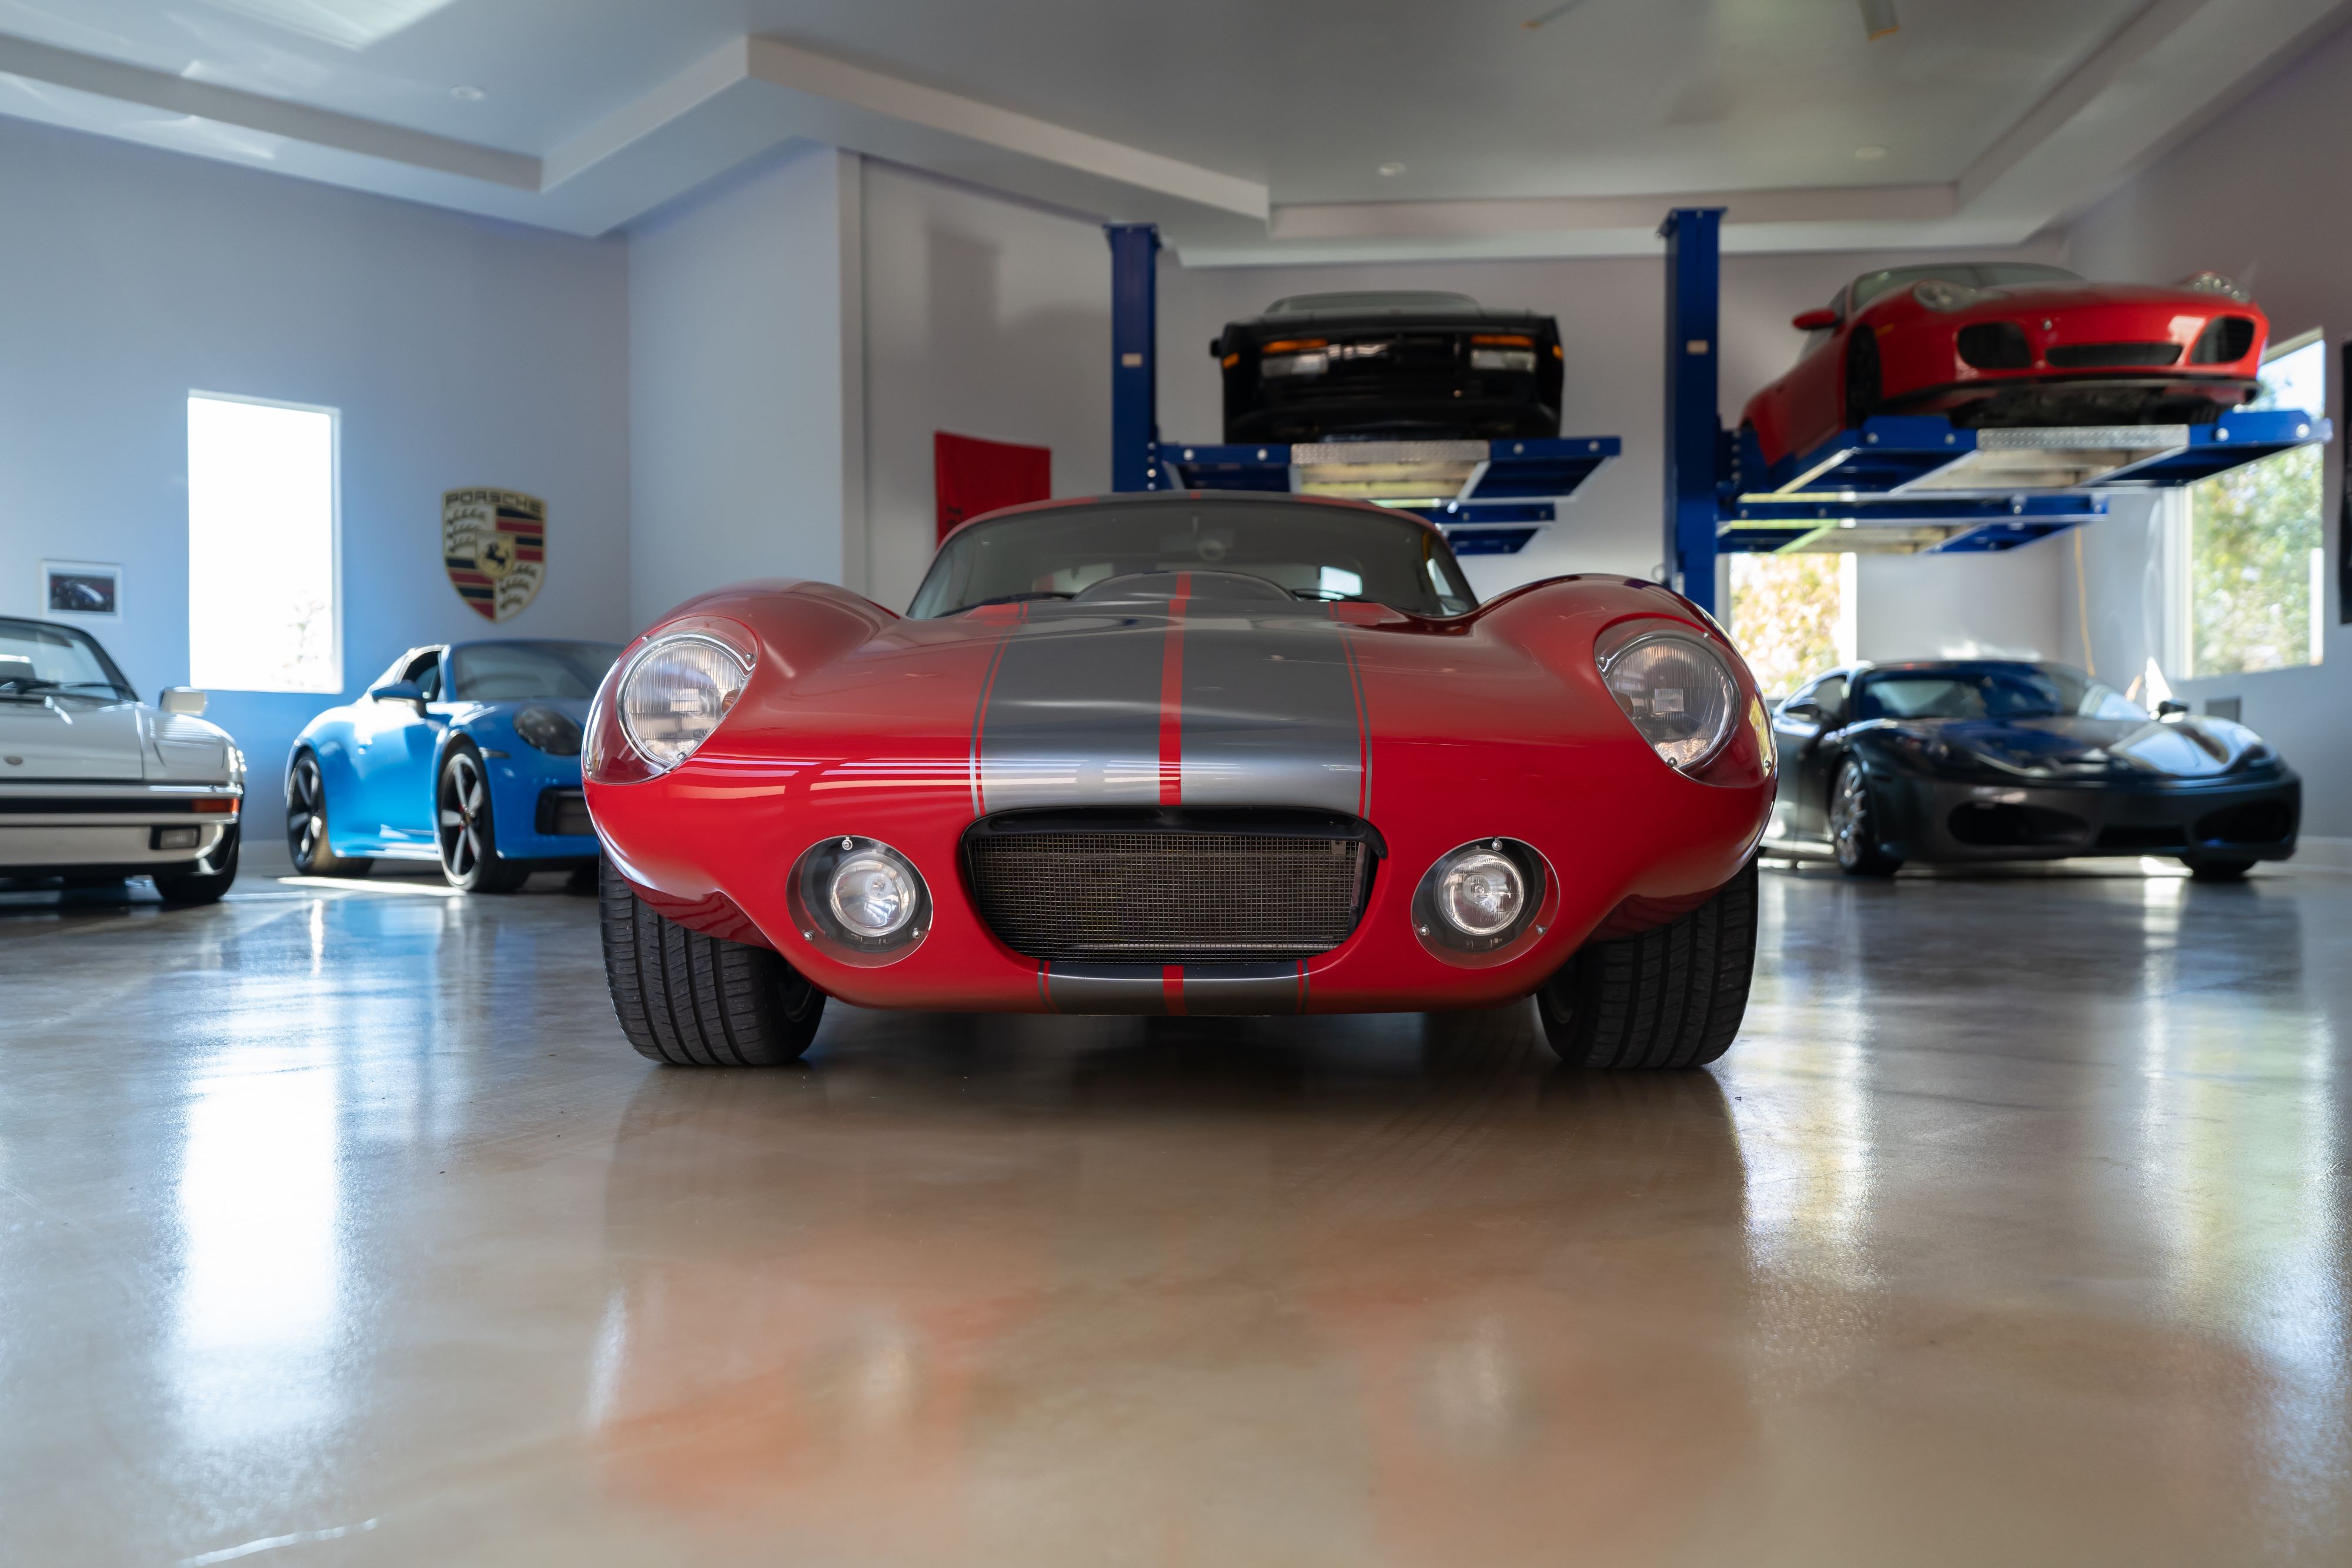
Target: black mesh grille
1996,346
2075,356
2226,339
564,811
1173,895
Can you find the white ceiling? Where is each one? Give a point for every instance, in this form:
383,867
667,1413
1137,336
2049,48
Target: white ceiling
1253,131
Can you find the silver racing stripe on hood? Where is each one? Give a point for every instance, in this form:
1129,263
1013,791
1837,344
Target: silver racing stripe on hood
1199,703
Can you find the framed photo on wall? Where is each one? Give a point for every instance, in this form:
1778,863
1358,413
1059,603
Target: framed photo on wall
81,590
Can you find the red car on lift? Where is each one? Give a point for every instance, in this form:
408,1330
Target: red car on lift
2012,344
1182,753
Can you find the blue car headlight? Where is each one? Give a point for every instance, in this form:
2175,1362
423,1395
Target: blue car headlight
553,733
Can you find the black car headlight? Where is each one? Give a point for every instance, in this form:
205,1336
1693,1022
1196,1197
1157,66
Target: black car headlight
552,732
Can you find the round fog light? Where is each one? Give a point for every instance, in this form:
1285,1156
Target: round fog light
872,894
1481,893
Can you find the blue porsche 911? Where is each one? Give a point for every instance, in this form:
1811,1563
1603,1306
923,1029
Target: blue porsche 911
467,754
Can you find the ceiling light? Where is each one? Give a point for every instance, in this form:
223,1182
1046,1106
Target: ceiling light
1870,154
1392,169
467,94
349,24
1878,18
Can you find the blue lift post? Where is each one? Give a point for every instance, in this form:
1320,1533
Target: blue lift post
1694,427
1134,375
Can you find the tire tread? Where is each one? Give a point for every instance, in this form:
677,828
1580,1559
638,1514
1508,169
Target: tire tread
691,1000
1669,998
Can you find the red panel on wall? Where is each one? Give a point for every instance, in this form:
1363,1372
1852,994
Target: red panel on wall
975,476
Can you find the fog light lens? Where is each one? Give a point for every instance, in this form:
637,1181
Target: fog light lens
872,894
1481,893
175,838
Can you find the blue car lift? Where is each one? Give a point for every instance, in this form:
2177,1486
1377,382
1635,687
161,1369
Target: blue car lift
1900,484
1490,496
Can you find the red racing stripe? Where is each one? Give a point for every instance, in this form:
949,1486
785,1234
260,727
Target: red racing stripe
1171,986
1171,705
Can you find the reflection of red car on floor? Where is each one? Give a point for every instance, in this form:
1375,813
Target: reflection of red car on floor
2009,343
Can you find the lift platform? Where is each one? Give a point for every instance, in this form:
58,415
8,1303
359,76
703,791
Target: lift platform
1489,497
1901,484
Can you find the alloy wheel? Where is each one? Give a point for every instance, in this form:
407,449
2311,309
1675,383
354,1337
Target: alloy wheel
463,806
306,813
1849,817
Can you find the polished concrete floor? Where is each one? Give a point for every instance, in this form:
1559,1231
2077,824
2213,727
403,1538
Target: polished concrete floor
338,1225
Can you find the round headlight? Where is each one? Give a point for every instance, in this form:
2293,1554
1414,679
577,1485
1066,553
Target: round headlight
872,894
675,696
1481,893
549,731
1679,693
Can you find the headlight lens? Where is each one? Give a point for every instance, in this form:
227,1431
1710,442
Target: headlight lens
1679,693
1502,359
1938,295
675,696
1481,893
1276,365
552,732
2216,283
872,894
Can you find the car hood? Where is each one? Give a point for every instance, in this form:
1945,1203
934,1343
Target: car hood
2077,745
1204,689
114,742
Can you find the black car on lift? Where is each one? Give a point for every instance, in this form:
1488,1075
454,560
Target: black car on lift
1994,760
1409,366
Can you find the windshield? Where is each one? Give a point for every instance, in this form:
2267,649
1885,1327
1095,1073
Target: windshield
38,659
1973,274
1317,552
1994,692
513,672
1399,299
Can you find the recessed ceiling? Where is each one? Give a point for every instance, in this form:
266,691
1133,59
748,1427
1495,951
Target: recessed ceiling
1338,112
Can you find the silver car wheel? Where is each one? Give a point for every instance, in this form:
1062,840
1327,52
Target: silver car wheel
1849,817
306,813
462,799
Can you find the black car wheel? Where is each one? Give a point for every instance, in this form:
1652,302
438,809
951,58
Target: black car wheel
2217,868
467,832
1670,997
205,885
692,1001
1854,826
1864,387
306,824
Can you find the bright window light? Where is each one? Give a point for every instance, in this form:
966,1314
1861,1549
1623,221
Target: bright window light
1793,616
2257,573
262,608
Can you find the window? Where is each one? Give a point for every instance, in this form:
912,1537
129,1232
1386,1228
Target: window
263,612
1792,616
2256,577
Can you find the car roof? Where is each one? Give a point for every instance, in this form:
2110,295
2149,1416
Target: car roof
1192,498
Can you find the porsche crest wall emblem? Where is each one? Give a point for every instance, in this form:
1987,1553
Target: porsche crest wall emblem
494,546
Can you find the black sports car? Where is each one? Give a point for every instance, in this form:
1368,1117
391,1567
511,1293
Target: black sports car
1984,760
1410,366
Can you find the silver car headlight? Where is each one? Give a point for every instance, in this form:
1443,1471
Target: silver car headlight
1679,693
676,693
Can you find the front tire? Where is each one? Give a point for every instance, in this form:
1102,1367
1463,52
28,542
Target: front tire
306,824
181,889
465,828
1854,826
2217,868
1670,997
691,1000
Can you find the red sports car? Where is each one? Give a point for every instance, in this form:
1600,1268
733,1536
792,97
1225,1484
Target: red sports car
1191,753
2008,344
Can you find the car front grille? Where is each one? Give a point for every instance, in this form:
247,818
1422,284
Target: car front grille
2080,356
1169,886
563,812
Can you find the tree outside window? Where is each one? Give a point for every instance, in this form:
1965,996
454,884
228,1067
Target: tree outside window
1792,616
2256,563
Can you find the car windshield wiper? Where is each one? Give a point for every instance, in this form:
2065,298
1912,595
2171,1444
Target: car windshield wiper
1016,598
1326,596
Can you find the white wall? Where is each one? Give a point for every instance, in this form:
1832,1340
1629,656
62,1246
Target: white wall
984,318
461,352
1999,605
746,437
2251,195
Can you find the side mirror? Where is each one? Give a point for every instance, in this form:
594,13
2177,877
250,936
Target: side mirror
1810,713
2167,708
183,700
407,691
1814,321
